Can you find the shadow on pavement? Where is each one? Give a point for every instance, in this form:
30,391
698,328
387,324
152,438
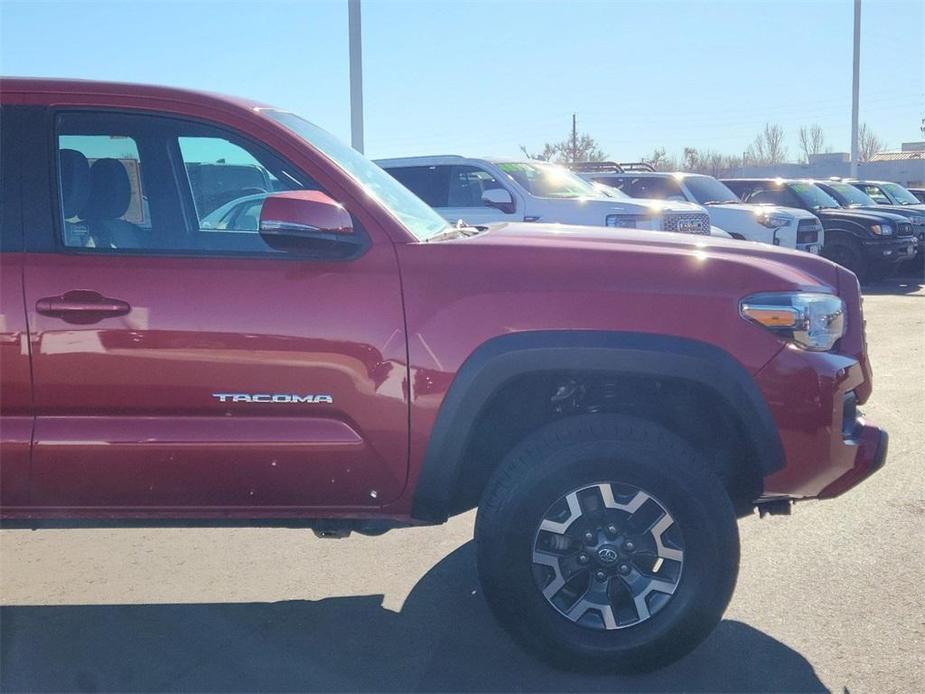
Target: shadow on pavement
907,283
444,639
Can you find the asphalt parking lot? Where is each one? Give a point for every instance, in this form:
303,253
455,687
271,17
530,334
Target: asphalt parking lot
829,598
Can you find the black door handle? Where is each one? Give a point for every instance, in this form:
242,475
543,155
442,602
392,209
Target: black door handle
81,306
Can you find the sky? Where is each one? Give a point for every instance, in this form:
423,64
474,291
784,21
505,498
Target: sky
485,77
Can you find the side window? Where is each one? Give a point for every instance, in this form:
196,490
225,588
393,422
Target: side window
102,193
227,182
146,183
430,183
612,181
467,184
878,195
653,187
773,196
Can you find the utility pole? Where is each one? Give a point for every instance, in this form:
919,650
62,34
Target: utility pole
356,74
855,88
574,138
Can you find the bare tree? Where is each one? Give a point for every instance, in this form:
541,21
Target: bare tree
710,162
768,147
660,161
812,141
868,143
574,148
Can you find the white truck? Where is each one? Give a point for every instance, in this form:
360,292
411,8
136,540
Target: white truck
780,226
484,191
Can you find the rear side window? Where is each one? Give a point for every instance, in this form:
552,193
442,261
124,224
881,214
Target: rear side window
467,184
430,183
146,183
653,187
116,164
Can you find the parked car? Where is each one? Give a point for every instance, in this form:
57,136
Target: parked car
887,193
610,402
864,241
779,226
853,197
482,191
919,193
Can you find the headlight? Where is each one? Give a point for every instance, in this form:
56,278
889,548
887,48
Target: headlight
813,321
621,220
774,220
918,220
881,229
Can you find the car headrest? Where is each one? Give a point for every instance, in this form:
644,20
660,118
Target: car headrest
75,181
110,190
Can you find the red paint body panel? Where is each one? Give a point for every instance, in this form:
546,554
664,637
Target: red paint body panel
220,325
125,420
16,394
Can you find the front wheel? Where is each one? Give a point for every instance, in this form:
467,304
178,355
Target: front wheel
605,543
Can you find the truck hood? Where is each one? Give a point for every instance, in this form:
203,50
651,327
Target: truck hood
907,211
857,215
794,267
636,205
761,210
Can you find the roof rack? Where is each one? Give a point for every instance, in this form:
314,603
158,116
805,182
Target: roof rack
636,166
596,166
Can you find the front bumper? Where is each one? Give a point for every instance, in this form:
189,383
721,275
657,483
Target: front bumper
872,444
894,250
827,448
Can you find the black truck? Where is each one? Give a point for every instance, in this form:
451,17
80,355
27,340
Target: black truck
866,242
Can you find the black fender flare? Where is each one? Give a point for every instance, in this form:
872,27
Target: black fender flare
500,359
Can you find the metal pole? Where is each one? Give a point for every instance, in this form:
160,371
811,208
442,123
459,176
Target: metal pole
356,74
855,88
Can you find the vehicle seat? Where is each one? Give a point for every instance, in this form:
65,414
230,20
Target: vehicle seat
109,197
74,170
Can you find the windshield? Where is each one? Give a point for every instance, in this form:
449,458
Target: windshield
410,210
813,196
900,194
549,180
850,195
707,190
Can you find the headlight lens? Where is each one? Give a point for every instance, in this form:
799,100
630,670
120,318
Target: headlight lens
813,321
918,220
621,220
881,229
774,220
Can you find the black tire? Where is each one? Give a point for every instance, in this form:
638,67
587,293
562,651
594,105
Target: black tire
847,254
579,451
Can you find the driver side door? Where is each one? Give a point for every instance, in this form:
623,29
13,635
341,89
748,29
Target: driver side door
154,330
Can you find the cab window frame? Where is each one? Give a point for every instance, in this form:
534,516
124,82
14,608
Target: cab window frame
179,183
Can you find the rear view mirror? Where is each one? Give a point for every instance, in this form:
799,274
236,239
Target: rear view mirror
297,220
498,198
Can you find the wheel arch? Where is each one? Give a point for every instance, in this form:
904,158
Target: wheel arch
502,360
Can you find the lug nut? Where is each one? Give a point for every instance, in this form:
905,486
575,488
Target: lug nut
624,569
629,546
600,576
612,529
589,536
582,558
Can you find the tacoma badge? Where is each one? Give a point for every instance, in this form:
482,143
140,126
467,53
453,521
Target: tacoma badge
273,398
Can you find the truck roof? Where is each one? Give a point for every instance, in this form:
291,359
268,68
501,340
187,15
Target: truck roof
41,90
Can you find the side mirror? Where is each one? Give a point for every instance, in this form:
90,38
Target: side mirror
305,220
499,198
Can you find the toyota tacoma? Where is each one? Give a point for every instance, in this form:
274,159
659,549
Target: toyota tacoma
611,403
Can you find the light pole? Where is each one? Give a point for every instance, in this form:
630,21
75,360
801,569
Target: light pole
356,74
854,88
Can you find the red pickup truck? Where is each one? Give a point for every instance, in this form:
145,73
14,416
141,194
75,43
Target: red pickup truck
215,313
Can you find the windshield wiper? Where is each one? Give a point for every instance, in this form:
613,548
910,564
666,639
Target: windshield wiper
722,202
455,231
